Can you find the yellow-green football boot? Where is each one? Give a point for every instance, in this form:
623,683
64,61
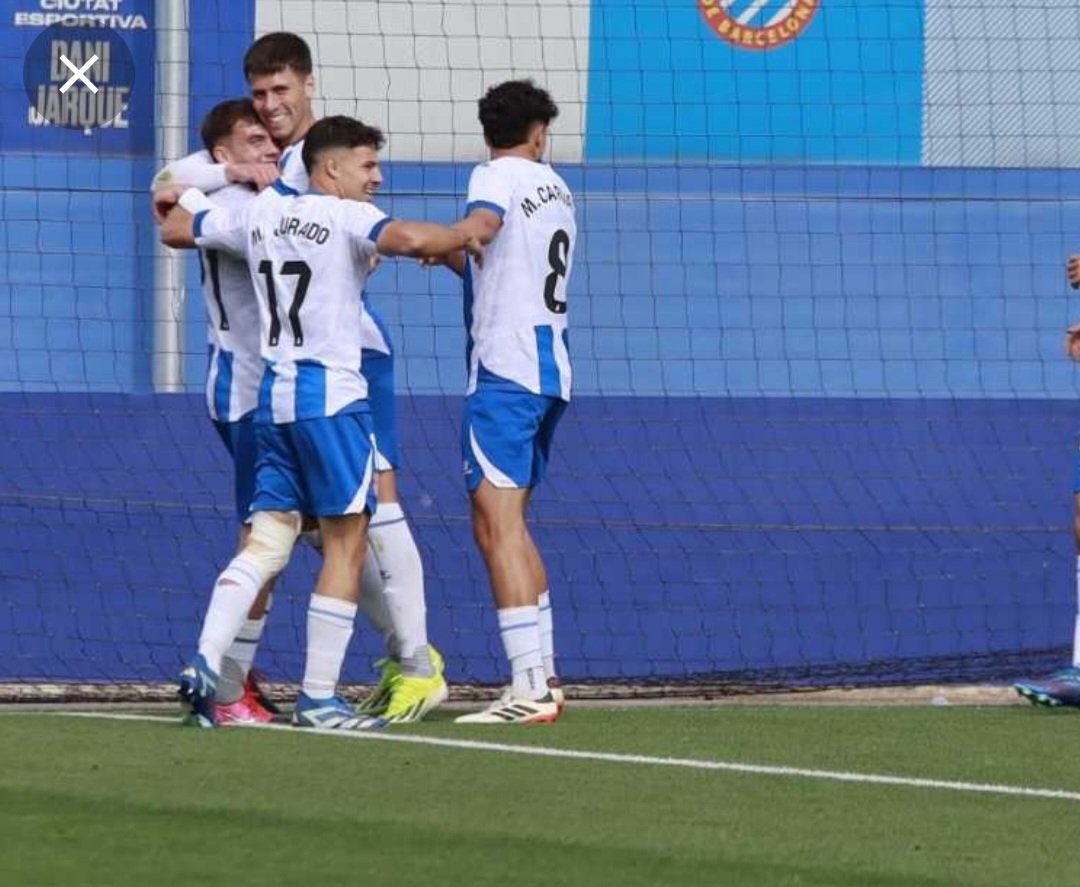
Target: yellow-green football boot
374,704
412,697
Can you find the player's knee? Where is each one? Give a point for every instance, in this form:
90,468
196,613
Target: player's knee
344,539
271,542
493,533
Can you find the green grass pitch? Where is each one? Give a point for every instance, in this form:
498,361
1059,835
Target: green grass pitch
106,802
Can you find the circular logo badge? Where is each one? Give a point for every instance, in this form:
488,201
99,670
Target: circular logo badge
79,77
759,24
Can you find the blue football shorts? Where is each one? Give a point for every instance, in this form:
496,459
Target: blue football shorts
239,440
506,436
320,467
378,369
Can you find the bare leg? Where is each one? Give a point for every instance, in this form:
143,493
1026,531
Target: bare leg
517,579
502,535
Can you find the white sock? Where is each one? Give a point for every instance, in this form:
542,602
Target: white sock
237,661
547,634
329,630
374,605
234,593
1076,624
403,586
520,630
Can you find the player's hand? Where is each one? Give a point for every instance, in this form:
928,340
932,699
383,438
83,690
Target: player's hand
1072,271
258,175
165,199
475,249
1072,341
373,263
455,261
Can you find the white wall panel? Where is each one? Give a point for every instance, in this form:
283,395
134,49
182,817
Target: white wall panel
417,68
1002,83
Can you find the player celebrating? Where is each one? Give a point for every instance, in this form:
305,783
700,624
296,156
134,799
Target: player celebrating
1063,687
278,68
519,377
309,256
234,136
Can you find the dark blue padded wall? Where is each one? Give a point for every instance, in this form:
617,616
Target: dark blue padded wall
733,539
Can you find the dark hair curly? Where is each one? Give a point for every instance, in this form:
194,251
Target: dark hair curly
510,109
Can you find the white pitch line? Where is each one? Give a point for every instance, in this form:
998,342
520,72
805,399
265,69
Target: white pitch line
981,788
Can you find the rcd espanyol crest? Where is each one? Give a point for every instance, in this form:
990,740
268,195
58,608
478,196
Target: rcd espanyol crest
758,24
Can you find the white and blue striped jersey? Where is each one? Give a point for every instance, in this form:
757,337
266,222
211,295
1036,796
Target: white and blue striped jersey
293,172
515,305
373,333
200,171
308,256
232,325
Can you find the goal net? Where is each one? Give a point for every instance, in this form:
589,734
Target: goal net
823,429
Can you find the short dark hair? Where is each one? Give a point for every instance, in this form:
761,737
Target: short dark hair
275,52
339,132
219,121
510,109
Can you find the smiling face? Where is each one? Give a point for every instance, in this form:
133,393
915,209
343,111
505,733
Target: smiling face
249,142
361,175
354,172
283,102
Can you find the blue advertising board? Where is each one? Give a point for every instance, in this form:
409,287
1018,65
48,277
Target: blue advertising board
76,76
756,81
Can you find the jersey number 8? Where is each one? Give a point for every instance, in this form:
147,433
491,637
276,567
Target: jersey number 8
558,253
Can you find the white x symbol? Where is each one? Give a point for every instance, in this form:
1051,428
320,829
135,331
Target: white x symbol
80,73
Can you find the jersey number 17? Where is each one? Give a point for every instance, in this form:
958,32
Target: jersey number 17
302,272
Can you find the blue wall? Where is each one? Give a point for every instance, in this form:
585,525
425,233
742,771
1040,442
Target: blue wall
730,538
849,89
74,269
785,281
719,280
